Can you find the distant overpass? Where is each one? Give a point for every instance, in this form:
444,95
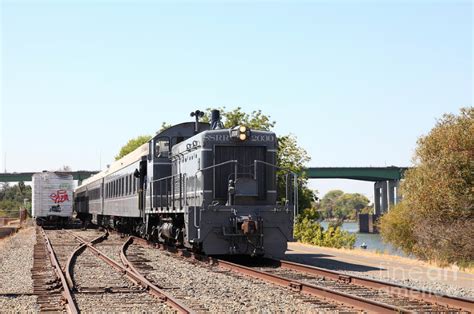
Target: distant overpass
373,174
27,176
386,181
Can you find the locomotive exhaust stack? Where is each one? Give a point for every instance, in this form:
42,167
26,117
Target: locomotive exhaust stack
216,123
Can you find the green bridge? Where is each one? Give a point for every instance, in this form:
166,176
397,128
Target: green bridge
386,181
27,176
373,174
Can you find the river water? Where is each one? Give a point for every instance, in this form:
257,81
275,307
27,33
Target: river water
372,240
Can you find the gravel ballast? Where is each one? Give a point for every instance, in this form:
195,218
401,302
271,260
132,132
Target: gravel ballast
92,274
16,261
384,267
432,286
213,289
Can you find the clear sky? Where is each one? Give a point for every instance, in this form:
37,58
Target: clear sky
356,82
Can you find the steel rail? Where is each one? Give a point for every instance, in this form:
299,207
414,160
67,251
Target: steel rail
73,256
124,259
411,293
71,306
298,286
341,297
455,303
139,279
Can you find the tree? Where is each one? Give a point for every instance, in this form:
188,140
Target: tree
340,205
435,220
164,126
11,198
133,144
329,201
255,120
349,205
292,157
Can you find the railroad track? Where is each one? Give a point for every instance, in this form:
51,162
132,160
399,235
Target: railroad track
404,297
70,275
80,278
49,283
207,288
358,293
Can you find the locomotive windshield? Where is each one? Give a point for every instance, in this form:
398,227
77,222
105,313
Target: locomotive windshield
162,147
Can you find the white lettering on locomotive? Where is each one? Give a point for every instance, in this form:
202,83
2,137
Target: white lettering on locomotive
262,138
253,138
217,137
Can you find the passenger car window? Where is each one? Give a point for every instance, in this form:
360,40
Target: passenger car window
162,147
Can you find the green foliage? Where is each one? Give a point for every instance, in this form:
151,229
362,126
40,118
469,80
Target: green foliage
329,201
307,230
164,126
12,198
292,157
255,120
133,144
397,228
309,213
340,205
435,220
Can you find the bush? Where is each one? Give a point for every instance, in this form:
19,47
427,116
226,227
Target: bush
435,220
396,228
309,231
9,208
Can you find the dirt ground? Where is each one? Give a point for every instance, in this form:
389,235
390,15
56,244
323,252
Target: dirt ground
380,266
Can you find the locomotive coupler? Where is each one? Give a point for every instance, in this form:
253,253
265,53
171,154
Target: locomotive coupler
249,226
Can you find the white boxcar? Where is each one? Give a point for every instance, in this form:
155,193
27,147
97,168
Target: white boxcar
52,195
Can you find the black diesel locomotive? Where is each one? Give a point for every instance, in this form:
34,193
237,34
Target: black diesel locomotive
198,185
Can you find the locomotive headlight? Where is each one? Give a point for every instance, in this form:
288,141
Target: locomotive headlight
240,133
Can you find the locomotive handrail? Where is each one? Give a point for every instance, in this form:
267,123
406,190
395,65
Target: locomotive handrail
170,178
164,178
195,185
217,165
295,181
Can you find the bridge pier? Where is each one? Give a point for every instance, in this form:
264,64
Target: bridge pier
376,198
385,195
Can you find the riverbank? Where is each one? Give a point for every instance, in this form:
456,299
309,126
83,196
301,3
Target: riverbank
397,269
372,241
